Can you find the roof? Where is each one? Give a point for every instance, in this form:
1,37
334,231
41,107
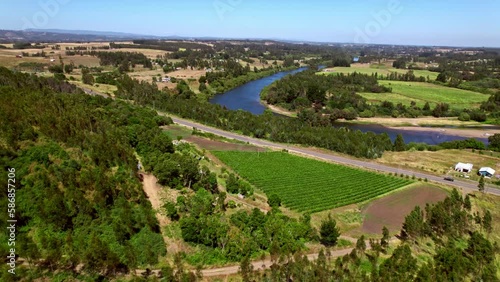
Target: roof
463,165
487,169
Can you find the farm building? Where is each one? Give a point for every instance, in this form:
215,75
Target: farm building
461,167
486,171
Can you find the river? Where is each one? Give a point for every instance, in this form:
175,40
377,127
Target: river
247,97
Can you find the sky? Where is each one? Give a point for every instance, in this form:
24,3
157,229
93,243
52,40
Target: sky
404,22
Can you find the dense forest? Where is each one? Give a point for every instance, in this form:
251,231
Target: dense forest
79,201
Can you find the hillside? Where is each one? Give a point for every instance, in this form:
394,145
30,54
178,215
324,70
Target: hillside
79,203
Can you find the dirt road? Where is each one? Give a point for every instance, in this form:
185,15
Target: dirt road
260,265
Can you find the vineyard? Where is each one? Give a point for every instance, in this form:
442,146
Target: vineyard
308,185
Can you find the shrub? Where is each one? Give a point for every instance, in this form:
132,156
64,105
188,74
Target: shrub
464,116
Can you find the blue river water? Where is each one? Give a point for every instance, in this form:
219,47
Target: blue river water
247,97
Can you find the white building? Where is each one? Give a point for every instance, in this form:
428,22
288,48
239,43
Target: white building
461,167
486,171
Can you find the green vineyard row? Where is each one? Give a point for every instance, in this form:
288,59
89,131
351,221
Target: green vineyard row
309,185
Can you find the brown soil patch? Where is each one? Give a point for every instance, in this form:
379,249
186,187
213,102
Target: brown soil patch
154,192
390,211
213,145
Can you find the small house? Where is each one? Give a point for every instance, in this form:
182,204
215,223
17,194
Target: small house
166,79
461,167
486,171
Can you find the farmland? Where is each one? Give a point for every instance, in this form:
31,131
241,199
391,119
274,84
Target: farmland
308,185
380,70
390,211
421,92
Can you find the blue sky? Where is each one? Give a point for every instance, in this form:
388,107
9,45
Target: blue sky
422,22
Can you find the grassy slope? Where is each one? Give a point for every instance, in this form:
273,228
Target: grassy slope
422,92
381,71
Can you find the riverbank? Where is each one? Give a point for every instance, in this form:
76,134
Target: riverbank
462,132
229,84
448,126
278,110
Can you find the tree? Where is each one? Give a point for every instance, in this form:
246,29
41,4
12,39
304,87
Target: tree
221,201
384,242
494,141
232,186
329,232
87,77
361,244
464,117
467,203
274,200
246,269
480,251
413,226
399,64
124,66
69,68
401,266
427,107
480,186
440,110
442,77
399,143
171,210
486,222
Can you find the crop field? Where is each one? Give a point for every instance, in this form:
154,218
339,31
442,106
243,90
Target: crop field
383,70
308,185
391,211
421,92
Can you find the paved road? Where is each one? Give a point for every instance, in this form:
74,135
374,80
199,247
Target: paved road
465,185
229,270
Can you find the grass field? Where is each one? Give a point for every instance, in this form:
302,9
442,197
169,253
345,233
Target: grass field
380,70
308,185
422,92
443,161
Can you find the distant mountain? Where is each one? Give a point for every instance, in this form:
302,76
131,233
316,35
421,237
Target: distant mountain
62,35
95,33
59,35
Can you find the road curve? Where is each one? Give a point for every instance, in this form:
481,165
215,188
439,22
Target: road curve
229,270
464,185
